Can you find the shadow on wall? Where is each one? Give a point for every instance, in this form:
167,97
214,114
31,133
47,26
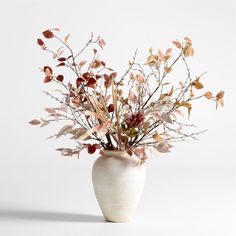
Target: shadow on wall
48,216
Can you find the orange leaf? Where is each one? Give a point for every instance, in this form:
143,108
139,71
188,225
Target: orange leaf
157,137
208,95
197,85
167,69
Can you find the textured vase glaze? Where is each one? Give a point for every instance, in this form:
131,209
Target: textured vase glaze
118,184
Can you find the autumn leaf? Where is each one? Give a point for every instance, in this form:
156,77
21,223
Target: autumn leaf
188,51
168,51
219,98
177,44
102,42
96,64
66,38
61,59
40,42
113,75
167,69
157,137
197,85
61,64
48,34
91,82
220,101
140,78
188,41
108,81
65,129
162,147
47,70
79,81
110,108
60,78
133,98
92,148
166,118
208,95
220,95
48,79
188,106
35,122
82,63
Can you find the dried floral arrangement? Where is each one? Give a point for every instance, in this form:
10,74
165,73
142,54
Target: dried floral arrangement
101,114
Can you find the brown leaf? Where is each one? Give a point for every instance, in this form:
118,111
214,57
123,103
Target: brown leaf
113,75
96,64
35,122
220,95
162,147
50,110
108,81
48,34
60,78
47,70
167,69
65,129
92,148
44,123
177,44
197,85
188,41
61,64
61,59
188,51
79,81
157,137
91,82
110,108
77,132
48,79
166,118
188,106
40,42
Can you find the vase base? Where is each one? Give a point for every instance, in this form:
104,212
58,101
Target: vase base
117,221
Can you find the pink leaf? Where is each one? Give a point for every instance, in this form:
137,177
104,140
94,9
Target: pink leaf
177,44
168,51
82,63
133,98
102,42
50,111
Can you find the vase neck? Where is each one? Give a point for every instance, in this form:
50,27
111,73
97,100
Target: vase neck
111,153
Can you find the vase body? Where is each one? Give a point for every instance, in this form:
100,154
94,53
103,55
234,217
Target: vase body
118,183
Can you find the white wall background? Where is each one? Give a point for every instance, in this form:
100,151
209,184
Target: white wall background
190,191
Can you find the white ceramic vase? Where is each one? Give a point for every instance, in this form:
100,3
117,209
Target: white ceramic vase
118,184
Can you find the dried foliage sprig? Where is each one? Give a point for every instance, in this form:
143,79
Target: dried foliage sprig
98,108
